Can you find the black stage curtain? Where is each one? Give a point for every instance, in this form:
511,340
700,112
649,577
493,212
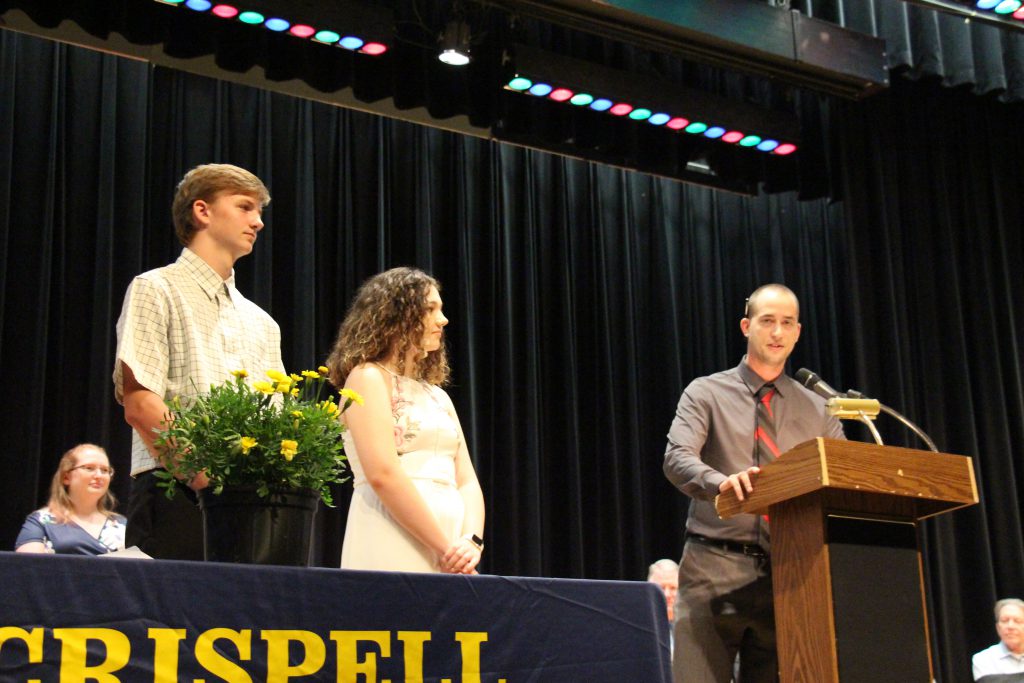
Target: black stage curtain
938,292
925,43
582,298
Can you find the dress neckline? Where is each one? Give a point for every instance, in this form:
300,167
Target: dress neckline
393,373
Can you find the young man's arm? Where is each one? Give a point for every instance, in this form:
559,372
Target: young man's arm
146,413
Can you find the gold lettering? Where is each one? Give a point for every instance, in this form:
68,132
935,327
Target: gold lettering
165,653
413,646
278,669
470,641
349,666
215,663
74,651
33,641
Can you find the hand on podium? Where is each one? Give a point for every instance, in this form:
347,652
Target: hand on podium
741,482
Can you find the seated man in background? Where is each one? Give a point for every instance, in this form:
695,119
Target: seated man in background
1004,661
665,573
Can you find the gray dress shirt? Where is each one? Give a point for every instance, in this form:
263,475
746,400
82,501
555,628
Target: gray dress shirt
712,436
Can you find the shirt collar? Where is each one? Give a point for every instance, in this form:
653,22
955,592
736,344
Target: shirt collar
754,381
204,275
1005,652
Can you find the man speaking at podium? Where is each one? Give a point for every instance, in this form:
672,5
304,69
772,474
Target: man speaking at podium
726,426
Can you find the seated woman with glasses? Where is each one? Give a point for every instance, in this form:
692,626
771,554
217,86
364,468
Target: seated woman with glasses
79,519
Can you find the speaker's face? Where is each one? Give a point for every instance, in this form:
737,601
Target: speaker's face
772,329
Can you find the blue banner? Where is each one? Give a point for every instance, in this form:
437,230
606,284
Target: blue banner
66,618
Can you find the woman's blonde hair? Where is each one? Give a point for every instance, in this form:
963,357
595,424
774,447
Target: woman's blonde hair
386,316
60,503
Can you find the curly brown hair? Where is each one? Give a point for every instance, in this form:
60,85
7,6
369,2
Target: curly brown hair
386,317
60,504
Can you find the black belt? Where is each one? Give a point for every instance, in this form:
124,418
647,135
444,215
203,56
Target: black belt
748,549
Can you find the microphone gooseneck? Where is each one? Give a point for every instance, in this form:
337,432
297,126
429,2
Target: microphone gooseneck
816,384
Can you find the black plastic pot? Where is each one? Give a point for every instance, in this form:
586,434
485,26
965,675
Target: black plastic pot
241,527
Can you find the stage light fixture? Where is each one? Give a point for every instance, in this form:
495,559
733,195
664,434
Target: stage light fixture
367,31
225,11
1002,13
743,35
1002,9
628,96
455,43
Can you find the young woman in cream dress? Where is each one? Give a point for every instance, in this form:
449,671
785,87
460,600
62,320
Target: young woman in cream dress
417,505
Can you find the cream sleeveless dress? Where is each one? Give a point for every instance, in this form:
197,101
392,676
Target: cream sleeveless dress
428,438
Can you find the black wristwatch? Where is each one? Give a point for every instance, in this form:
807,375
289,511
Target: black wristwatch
475,540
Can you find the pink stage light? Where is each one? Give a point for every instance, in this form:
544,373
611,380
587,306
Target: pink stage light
302,30
225,11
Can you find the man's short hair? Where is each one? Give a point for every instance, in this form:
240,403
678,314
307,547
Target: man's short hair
1006,602
206,182
663,566
750,308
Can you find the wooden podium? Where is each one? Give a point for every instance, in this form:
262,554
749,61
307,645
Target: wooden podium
846,566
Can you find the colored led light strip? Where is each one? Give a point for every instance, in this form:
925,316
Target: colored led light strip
625,110
1002,8
282,25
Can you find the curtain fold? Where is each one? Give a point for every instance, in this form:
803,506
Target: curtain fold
926,43
936,247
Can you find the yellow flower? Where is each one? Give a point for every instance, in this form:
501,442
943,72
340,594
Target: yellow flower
329,407
284,386
297,413
289,448
265,387
295,378
352,396
247,443
240,373
323,369
294,392
277,376
309,374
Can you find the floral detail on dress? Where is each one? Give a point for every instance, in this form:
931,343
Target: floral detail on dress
405,429
112,533
47,517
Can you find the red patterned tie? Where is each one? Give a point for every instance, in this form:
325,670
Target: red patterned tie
764,436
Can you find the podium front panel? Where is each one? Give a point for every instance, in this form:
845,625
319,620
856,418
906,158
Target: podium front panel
879,616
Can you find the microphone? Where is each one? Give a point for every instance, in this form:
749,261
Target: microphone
855,405
816,384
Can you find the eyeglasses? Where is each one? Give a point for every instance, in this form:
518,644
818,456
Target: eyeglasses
93,469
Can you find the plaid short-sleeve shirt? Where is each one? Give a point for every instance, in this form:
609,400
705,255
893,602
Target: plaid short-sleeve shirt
182,329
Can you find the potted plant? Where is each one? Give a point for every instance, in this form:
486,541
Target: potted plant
270,449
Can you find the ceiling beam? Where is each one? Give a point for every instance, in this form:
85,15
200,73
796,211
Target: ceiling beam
742,35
